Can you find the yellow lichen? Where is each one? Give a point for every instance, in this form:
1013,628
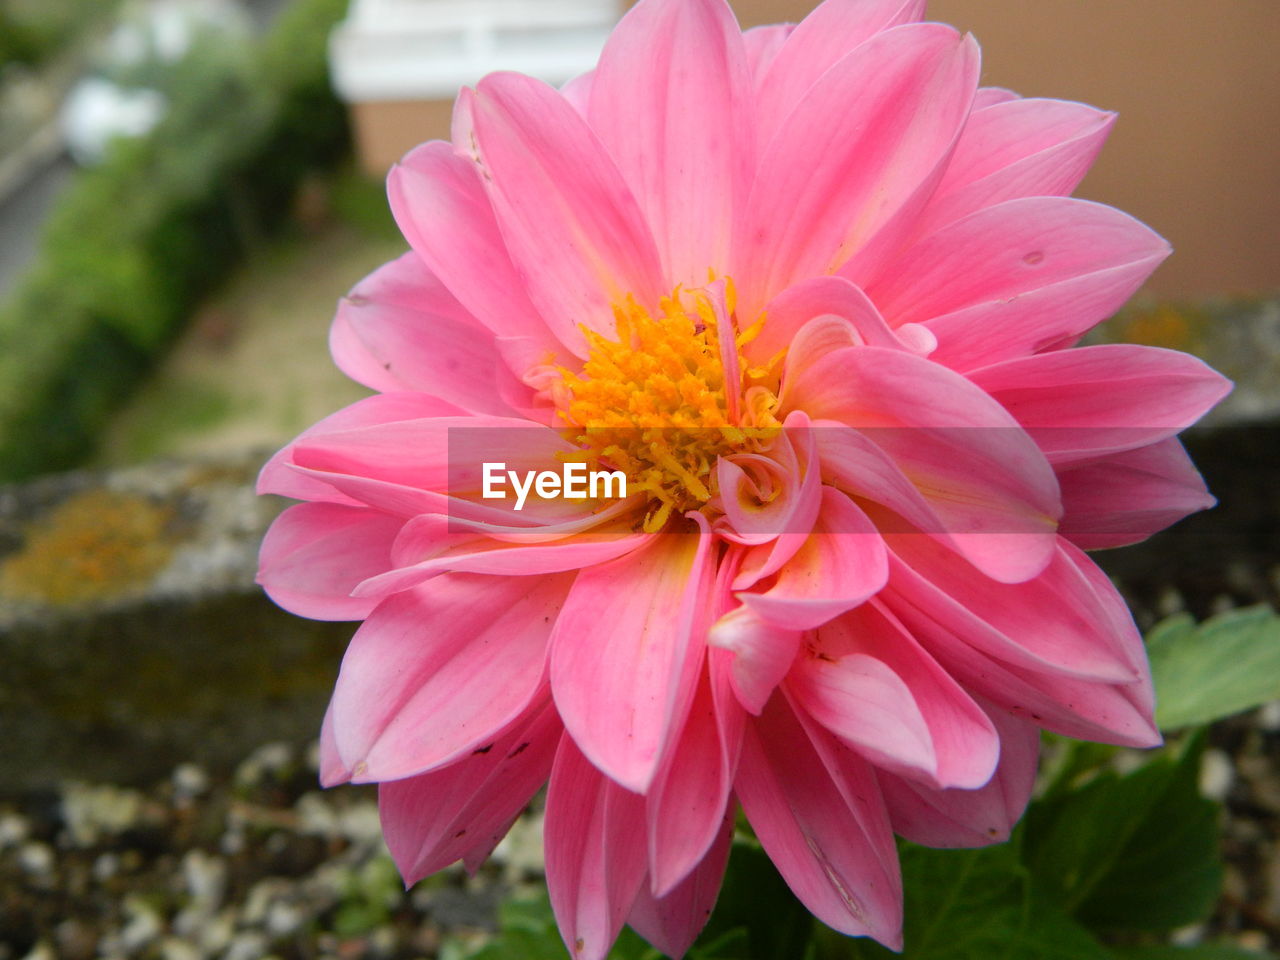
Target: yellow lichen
93,545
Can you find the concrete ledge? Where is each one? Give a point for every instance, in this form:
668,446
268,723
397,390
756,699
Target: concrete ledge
133,635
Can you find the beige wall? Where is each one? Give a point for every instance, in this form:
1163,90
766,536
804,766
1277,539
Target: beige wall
1195,154
1196,151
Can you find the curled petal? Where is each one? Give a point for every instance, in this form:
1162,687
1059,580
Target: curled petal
839,565
868,681
762,654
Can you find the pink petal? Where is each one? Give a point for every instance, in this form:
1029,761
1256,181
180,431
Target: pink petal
1055,622
577,92
595,853
400,329
1126,497
761,45
853,463
825,830
315,553
1011,279
1084,709
969,818
841,563
440,205
332,770
574,231
625,653
868,133
439,453
869,682
1079,403
762,654
685,806
980,472
450,544
817,297
820,41
771,499
990,96
277,475
682,138
672,922
1018,148
417,686
433,819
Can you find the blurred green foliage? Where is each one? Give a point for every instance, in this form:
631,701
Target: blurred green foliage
34,31
134,244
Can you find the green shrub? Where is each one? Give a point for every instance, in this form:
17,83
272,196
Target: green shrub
133,245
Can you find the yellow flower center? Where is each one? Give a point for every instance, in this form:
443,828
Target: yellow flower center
664,400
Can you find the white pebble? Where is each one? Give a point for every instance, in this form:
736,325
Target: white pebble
171,948
360,823
261,896
189,781
283,918
1169,602
215,935
1269,716
36,858
269,758
247,945
91,811
41,951
1216,774
206,879
106,866
13,830
143,926
315,816
1188,936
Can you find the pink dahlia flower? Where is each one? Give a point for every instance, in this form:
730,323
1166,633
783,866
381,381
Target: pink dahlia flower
812,290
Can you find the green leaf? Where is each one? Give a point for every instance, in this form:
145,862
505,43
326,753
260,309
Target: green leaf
1229,663
1138,852
1204,951
756,917
973,905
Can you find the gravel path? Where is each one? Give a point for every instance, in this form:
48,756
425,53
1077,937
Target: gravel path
262,863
